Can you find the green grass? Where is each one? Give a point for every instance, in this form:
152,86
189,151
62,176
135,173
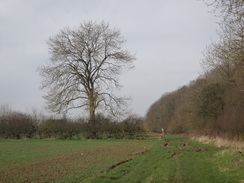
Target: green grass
194,163
62,160
89,161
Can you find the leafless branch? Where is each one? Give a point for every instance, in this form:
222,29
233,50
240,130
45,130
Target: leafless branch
84,66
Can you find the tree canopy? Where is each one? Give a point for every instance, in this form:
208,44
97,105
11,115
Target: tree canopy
83,69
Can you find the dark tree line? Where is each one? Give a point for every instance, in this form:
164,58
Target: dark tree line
203,107
17,125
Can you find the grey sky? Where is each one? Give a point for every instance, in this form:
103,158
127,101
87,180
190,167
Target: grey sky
167,36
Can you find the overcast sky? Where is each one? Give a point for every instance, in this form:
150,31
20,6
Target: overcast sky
167,37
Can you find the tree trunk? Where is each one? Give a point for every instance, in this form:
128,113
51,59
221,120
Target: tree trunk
92,117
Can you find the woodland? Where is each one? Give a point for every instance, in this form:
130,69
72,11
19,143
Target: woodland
212,104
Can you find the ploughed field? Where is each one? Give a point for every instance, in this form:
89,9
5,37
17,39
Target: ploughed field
176,159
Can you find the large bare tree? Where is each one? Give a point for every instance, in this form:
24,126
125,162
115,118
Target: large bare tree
83,69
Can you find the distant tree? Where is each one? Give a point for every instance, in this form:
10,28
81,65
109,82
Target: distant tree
161,113
83,70
5,110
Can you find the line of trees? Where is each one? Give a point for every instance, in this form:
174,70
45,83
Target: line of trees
203,107
17,125
213,104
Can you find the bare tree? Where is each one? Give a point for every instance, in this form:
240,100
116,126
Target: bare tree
229,10
84,66
226,57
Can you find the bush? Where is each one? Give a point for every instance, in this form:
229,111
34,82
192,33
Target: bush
16,125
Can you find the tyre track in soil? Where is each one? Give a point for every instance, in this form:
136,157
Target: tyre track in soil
125,161
185,145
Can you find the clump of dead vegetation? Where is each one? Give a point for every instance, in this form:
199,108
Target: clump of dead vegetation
219,142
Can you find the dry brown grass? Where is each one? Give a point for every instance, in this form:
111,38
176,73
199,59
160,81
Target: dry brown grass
219,142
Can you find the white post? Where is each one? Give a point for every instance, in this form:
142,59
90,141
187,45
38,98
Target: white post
163,136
